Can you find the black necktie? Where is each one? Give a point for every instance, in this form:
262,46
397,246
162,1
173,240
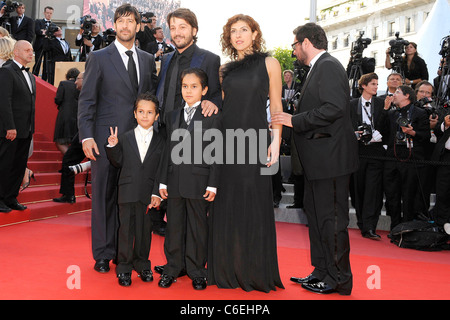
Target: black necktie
170,99
132,70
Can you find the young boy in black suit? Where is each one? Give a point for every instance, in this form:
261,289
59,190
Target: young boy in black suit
137,152
189,186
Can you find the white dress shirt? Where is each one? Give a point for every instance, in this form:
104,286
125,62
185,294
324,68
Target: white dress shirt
26,75
143,139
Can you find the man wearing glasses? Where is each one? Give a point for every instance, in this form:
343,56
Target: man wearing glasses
409,132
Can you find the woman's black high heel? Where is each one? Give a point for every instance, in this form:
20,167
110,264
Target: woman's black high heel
26,184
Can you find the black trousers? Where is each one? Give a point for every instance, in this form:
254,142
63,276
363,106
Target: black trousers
186,240
134,238
326,207
13,163
442,207
400,187
368,193
73,156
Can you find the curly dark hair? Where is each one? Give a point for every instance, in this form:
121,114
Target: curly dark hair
225,38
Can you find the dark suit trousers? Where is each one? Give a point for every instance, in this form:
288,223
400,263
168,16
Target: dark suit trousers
400,187
73,156
134,238
13,162
104,217
326,207
185,244
368,191
442,207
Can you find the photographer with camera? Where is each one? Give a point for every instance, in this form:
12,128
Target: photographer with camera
55,49
146,34
40,29
410,66
366,113
158,47
408,130
89,38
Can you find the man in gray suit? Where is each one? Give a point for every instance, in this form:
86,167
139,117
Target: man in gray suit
113,78
327,147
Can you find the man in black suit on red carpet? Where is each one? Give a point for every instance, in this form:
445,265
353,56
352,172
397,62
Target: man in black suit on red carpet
327,147
17,100
40,30
102,105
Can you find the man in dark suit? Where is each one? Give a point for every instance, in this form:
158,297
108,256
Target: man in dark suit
113,78
327,148
58,49
183,30
17,100
89,43
22,27
368,180
406,143
159,47
40,30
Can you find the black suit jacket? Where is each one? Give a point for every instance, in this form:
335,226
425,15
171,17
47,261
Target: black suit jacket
137,180
39,25
203,59
152,47
439,149
379,123
107,97
189,180
56,51
420,122
25,31
17,103
322,127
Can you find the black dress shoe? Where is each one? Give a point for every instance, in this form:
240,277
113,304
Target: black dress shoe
124,279
371,235
65,199
15,205
308,279
166,281
101,265
199,283
160,270
4,208
323,288
146,275
318,287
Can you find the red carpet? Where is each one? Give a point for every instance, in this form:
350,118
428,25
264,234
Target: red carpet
36,260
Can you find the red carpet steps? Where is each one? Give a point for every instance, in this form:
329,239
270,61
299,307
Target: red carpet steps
45,163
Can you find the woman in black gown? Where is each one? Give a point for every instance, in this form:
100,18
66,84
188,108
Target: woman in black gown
243,249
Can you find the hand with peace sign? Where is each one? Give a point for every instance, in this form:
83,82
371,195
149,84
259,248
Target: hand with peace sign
113,140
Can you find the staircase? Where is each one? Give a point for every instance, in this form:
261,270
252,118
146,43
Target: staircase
46,163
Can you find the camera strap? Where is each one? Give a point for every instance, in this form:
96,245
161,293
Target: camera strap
370,116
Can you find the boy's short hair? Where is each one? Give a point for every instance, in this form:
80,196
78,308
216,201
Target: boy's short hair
147,96
199,73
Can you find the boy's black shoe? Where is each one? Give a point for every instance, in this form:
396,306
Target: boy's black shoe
124,279
146,275
199,283
166,281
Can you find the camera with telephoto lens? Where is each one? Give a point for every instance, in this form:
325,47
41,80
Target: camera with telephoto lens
109,36
445,47
50,31
366,133
401,136
10,6
86,25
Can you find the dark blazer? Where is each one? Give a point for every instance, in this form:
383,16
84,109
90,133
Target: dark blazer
377,106
107,97
152,47
39,25
25,31
137,180
189,180
421,124
17,103
322,127
439,149
203,59
97,42
57,51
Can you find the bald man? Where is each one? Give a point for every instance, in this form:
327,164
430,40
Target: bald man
17,100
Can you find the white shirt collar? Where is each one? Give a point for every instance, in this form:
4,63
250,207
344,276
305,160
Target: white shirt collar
143,131
18,64
122,49
314,60
186,106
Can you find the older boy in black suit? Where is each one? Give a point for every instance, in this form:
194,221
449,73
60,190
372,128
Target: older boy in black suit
137,152
189,185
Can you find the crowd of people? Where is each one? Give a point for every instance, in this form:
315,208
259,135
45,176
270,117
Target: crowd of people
220,227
